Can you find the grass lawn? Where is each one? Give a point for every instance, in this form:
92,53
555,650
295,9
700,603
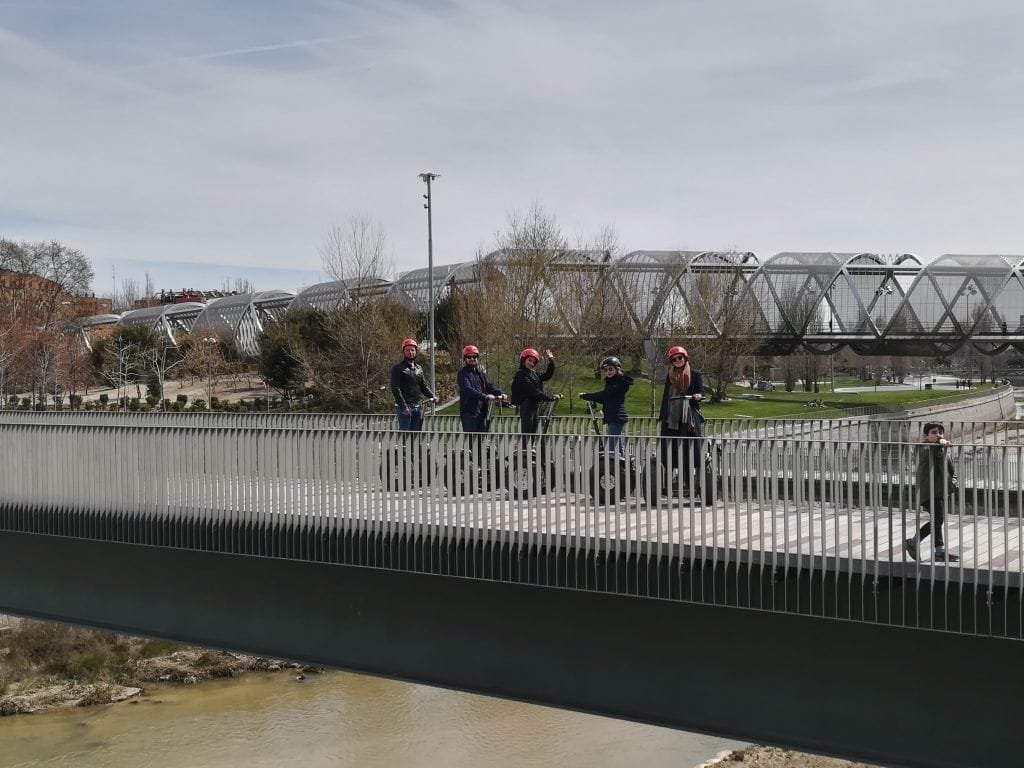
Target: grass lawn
770,404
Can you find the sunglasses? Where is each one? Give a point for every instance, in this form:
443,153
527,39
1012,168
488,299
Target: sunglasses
472,357
676,358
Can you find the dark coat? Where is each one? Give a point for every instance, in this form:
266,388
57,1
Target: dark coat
696,388
613,397
528,390
936,475
474,387
408,384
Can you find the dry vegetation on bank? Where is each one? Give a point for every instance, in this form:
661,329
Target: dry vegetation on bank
773,757
45,665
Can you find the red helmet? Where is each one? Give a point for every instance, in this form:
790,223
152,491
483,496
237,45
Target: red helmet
470,349
678,349
410,343
529,352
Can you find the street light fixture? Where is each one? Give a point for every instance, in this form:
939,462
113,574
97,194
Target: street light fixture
427,178
211,344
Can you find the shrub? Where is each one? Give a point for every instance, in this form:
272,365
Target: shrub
182,399
75,401
133,404
151,400
104,398
154,648
199,404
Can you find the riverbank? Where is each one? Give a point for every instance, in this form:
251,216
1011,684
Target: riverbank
46,666
773,757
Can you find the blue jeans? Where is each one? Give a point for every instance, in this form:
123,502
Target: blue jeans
411,423
615,441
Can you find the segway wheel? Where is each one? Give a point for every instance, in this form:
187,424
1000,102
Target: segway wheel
523,475
606,480
392,468
464,472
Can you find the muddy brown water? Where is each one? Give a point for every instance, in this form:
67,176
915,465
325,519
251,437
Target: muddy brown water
336,719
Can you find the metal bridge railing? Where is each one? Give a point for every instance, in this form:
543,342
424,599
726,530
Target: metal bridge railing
780,523
856,427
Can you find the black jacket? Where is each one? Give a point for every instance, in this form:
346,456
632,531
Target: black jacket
696,388
408,384
528,389
936,475
612,397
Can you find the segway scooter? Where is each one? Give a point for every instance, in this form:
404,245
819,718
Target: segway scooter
405,462
530,470
476,467
679,477
613,474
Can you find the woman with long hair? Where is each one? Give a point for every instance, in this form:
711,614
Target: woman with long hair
680,417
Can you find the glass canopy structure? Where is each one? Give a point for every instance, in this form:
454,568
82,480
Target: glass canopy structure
876,304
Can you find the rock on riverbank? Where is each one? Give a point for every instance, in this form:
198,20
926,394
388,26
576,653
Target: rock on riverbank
773,757
44,666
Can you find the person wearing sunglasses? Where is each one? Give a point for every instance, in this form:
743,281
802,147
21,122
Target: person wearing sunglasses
680,416
476,393
936,483
613,400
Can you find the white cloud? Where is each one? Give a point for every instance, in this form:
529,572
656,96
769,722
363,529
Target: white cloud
237,135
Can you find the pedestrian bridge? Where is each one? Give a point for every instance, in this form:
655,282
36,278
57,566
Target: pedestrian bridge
775,604
876,304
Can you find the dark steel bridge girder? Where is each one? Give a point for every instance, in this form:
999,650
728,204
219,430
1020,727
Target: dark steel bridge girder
884,694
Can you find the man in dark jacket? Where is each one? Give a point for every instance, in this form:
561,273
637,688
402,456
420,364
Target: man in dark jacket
613,399
476,393
409,387
528,388
936,483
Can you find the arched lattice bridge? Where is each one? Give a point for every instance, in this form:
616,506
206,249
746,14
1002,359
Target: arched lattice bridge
875,304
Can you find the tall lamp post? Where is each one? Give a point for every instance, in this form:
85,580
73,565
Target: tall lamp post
427,179
971,291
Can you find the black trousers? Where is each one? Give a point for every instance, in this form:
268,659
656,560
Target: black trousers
681,454
938,511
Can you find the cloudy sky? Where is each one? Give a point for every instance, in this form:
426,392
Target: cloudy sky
202,140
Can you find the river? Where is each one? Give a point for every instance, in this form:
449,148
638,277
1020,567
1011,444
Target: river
336,719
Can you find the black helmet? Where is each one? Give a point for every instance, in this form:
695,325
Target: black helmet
611,361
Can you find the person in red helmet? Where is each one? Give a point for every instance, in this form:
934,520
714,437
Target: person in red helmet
409,387
528,387
476,393
680,416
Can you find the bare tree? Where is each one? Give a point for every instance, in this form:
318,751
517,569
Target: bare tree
349,351
721,325
356,252
125,298
237,285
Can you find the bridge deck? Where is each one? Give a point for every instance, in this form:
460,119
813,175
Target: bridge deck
812,535
809,534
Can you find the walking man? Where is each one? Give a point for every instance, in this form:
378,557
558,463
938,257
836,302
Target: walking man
936,483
